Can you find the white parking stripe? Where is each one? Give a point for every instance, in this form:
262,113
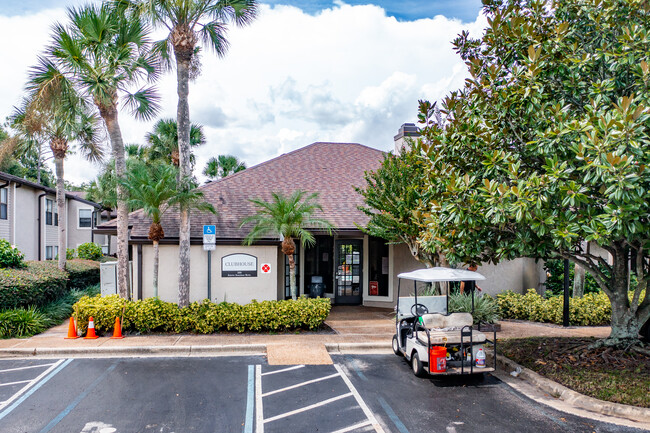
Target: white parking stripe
295,367
306,408
29,385
14,383
259,409
360,401
300,384
352,427
25,368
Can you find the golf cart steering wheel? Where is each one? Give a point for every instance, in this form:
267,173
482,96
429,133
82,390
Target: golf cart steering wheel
419,309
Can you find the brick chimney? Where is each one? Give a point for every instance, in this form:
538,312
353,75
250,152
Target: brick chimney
407,132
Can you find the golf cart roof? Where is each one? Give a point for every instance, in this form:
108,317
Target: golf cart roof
431,275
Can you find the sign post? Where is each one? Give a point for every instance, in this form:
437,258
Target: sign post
209,245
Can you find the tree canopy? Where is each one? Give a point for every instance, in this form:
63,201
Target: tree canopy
544,150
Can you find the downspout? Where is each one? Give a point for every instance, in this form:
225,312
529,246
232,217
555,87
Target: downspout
140,272
13,220
40,228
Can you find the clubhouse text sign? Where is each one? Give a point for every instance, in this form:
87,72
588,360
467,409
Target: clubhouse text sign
239,265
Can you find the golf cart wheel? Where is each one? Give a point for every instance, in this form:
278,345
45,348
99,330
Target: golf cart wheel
396,350
416,364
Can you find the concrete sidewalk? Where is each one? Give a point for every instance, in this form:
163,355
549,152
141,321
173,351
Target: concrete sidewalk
355,329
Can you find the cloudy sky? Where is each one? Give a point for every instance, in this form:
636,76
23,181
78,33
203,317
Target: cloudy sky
304,71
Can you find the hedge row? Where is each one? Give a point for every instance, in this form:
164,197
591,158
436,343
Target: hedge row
592,309
154,315
82,273
41,282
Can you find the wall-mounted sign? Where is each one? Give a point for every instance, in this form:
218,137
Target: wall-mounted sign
239,265
266,268
373,288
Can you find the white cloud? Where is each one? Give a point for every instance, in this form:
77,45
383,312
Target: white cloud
349,73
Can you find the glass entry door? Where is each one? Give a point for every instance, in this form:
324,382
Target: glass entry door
348,279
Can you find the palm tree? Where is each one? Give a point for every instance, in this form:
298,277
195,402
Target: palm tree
102,53
163,141
222,166
28,139
190,23
61,117
289,218
151,187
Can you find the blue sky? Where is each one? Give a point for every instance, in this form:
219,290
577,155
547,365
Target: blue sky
465,10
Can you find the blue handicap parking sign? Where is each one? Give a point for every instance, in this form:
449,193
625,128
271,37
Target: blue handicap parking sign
209,230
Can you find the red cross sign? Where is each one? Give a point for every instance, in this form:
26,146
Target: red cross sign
266,268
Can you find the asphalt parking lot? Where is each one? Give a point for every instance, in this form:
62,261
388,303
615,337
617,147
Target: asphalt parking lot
360,393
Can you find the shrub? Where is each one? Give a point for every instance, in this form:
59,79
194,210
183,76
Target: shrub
89,251
486,308
61,309
70,253
22,322
36,284
10,257
591,309
154,315
82,273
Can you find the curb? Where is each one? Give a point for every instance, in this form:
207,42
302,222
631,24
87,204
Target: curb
357,347
133,351
178,350
592,404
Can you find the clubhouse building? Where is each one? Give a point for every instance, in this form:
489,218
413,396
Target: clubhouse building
355,268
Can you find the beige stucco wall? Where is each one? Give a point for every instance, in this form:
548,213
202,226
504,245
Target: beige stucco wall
231,289
518,275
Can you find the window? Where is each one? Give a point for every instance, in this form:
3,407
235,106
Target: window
3,203
49,210
48,253
85,218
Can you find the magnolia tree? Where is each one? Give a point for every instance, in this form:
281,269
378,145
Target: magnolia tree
545,150
396,201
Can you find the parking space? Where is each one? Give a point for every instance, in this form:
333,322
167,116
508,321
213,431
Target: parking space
359,393
18,378
300,397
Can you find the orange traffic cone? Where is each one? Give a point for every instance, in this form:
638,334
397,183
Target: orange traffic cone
72,330
91,329
117,329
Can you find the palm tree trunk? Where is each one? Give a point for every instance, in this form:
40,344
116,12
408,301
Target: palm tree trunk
110,118
183,59
156,255
60,204
292,277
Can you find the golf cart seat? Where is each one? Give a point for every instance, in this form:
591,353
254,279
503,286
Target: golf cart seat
446,328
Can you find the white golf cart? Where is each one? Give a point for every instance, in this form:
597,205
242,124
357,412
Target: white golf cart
432,340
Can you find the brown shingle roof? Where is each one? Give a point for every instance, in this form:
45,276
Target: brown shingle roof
331,169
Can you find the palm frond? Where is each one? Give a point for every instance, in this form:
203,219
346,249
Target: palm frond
213,36
144,104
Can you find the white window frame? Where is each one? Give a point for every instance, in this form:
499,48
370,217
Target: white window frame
49,256
5,203
79,218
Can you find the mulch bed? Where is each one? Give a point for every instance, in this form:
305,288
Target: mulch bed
616,375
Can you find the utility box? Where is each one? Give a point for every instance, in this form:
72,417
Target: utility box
108,278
